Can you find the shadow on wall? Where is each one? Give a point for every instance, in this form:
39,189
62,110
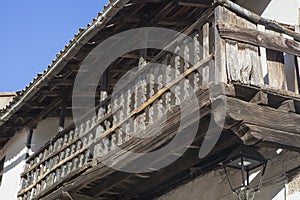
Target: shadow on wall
16,153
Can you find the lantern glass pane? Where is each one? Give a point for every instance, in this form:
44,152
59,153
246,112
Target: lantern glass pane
249,163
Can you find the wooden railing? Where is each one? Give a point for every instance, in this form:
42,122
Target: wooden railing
135,107
242,51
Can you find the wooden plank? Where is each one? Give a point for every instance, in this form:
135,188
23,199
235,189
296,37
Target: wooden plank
276,71
257,70
291,73
268,136
258,38
251,71
220,48
288,106
144,1
271,24
241,111
193,4
174,22
276,68
297,62
232,60
260,98
245,63
244,58
232,51
76,196
263,58
205,69
298,72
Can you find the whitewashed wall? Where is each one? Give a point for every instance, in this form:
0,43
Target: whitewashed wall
15,151
214,185
5,98
45,130
285,11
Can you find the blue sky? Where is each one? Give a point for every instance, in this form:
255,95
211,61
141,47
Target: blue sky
34,31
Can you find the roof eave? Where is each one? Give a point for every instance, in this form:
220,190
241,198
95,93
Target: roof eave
62,59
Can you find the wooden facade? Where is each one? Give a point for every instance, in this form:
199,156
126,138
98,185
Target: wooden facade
243,55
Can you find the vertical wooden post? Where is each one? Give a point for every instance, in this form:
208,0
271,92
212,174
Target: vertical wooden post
297,61
151,93
263,58
220,61
168,80
196,59
142,60
205,71
62,116
28,141
104,86
177,73
143,53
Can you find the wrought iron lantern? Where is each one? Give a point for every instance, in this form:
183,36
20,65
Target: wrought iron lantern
251,165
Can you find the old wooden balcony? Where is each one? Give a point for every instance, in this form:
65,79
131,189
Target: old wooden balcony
255,61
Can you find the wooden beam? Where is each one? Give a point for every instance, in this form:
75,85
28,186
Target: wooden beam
161,12
288,106
258,38
34,105
130,18
62,82
120,178
270,24
174,22
197,4
145,1
271,137
260,98
264,117
76,196
50,93
167,176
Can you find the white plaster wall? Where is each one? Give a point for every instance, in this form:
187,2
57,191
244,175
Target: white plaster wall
15,151
214,185
46,130
5,99
285,11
